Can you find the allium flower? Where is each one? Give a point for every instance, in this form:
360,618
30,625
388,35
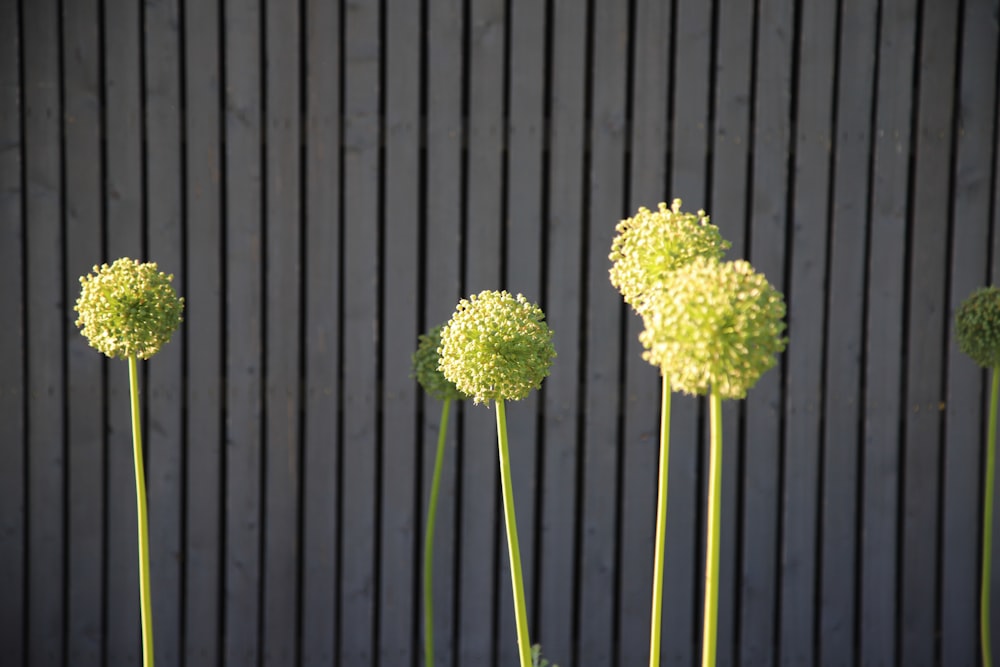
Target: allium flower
425,367
977,324
651,245
128,308
496,347
715,324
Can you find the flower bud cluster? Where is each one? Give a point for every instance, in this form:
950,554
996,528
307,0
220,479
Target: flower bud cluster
977,325
425,367
496,347
128,308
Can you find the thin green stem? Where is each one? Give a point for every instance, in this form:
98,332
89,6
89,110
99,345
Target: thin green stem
429,539
984,594
656,615
146,606
514,551
712,548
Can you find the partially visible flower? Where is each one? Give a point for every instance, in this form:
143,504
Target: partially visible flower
715,324
652,244
425,367
128,308
496,347
977,324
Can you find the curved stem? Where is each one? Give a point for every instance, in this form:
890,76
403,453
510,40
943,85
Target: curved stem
429,539
146,606
656,615
514,551
984,594
712,548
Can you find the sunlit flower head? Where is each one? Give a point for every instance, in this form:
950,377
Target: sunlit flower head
977,324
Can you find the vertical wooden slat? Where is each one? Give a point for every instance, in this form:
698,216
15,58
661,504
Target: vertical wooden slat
804,400
244,258
124,201
85,391
282,302
964,417
164,401
46,330
651,74
598,564
400,596
321,471
876,623
361,228
768,224
13,429
925,336
203,327
565,217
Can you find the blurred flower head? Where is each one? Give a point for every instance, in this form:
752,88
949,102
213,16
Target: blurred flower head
496,347
128,308
977,324
425,367
714,324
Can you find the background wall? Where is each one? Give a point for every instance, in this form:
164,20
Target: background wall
325,181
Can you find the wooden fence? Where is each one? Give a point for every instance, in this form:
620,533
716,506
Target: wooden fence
326,180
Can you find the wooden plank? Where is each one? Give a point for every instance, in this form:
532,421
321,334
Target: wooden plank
604,308
961,525
557,533
442,281
927,306
203,325
400,593
651,23
282,302
85,366
164,399
807,283
123,203
887,238
46,331
321,447
844,345
13,427
768,227
362,53
243,224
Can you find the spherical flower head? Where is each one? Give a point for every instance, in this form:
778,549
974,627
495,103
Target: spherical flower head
977,324
715,324
651,245
496,347
425,367
128,308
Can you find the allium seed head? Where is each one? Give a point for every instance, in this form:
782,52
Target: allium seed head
496,347
128,308
715,324
977,324
425,367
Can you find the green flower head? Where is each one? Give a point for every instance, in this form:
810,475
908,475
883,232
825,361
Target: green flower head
128,308
715,324
977,324
651,245
425,367
496,347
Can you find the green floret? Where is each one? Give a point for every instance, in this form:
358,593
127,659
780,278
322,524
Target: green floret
128,308
425,367
977,324
496,347
715,324
652,244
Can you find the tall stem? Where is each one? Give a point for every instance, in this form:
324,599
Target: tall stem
514,551
146,606
712,549
429,539
656,615
984,594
